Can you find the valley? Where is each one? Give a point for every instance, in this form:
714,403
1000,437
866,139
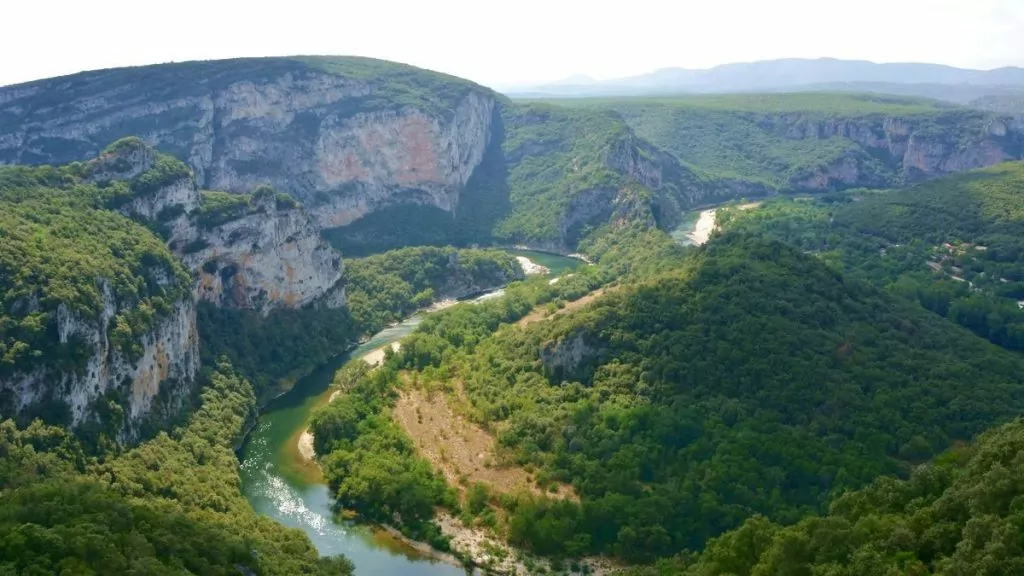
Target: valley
331,315
282,483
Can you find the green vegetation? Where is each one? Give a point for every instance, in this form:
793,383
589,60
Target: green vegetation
554,154
782,140
958,515
396,85
217,208
953,245
168,506
387,287
371,463
275,351
368,460
61,247
1002,103
748,379
166,170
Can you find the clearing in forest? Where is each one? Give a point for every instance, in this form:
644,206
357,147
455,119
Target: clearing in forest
459,449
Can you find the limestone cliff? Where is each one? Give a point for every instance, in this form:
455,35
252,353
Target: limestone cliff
895,150
345,136
97,323
270,256
571,171
260,251
161,370
821,142
384,155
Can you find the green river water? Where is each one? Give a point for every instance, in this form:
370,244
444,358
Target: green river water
279,484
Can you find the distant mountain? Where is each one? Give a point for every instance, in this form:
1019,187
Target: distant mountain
575,80
795,74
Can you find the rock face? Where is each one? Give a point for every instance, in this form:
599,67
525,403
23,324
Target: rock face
345,136
564,359
265,252
894,150
270,257
158,376
370,142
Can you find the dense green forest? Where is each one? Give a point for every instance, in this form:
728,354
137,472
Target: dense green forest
787,399
61,246
387,287
959,514
747,379
953,245
276,350
168,506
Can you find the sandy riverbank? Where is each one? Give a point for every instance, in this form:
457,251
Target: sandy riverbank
704,227
531,268
374,358
706,224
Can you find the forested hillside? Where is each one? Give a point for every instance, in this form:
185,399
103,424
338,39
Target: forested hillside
748,379
731,407
84,291
956,515
954,244
275,350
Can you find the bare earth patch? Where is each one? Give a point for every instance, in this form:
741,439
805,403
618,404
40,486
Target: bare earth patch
458,448
540,312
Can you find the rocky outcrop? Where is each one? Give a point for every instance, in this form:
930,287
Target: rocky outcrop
566,358
652,188
270,257
344,136
893,151
461,281
266,253
136,361
160,368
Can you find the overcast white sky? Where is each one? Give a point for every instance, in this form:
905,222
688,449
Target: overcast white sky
507,43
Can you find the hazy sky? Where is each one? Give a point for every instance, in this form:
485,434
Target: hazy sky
507,43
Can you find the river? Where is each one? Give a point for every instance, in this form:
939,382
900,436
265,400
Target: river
280,484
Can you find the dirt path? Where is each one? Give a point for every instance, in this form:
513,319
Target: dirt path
462,451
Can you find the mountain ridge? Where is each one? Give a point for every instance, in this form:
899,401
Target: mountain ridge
796,74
